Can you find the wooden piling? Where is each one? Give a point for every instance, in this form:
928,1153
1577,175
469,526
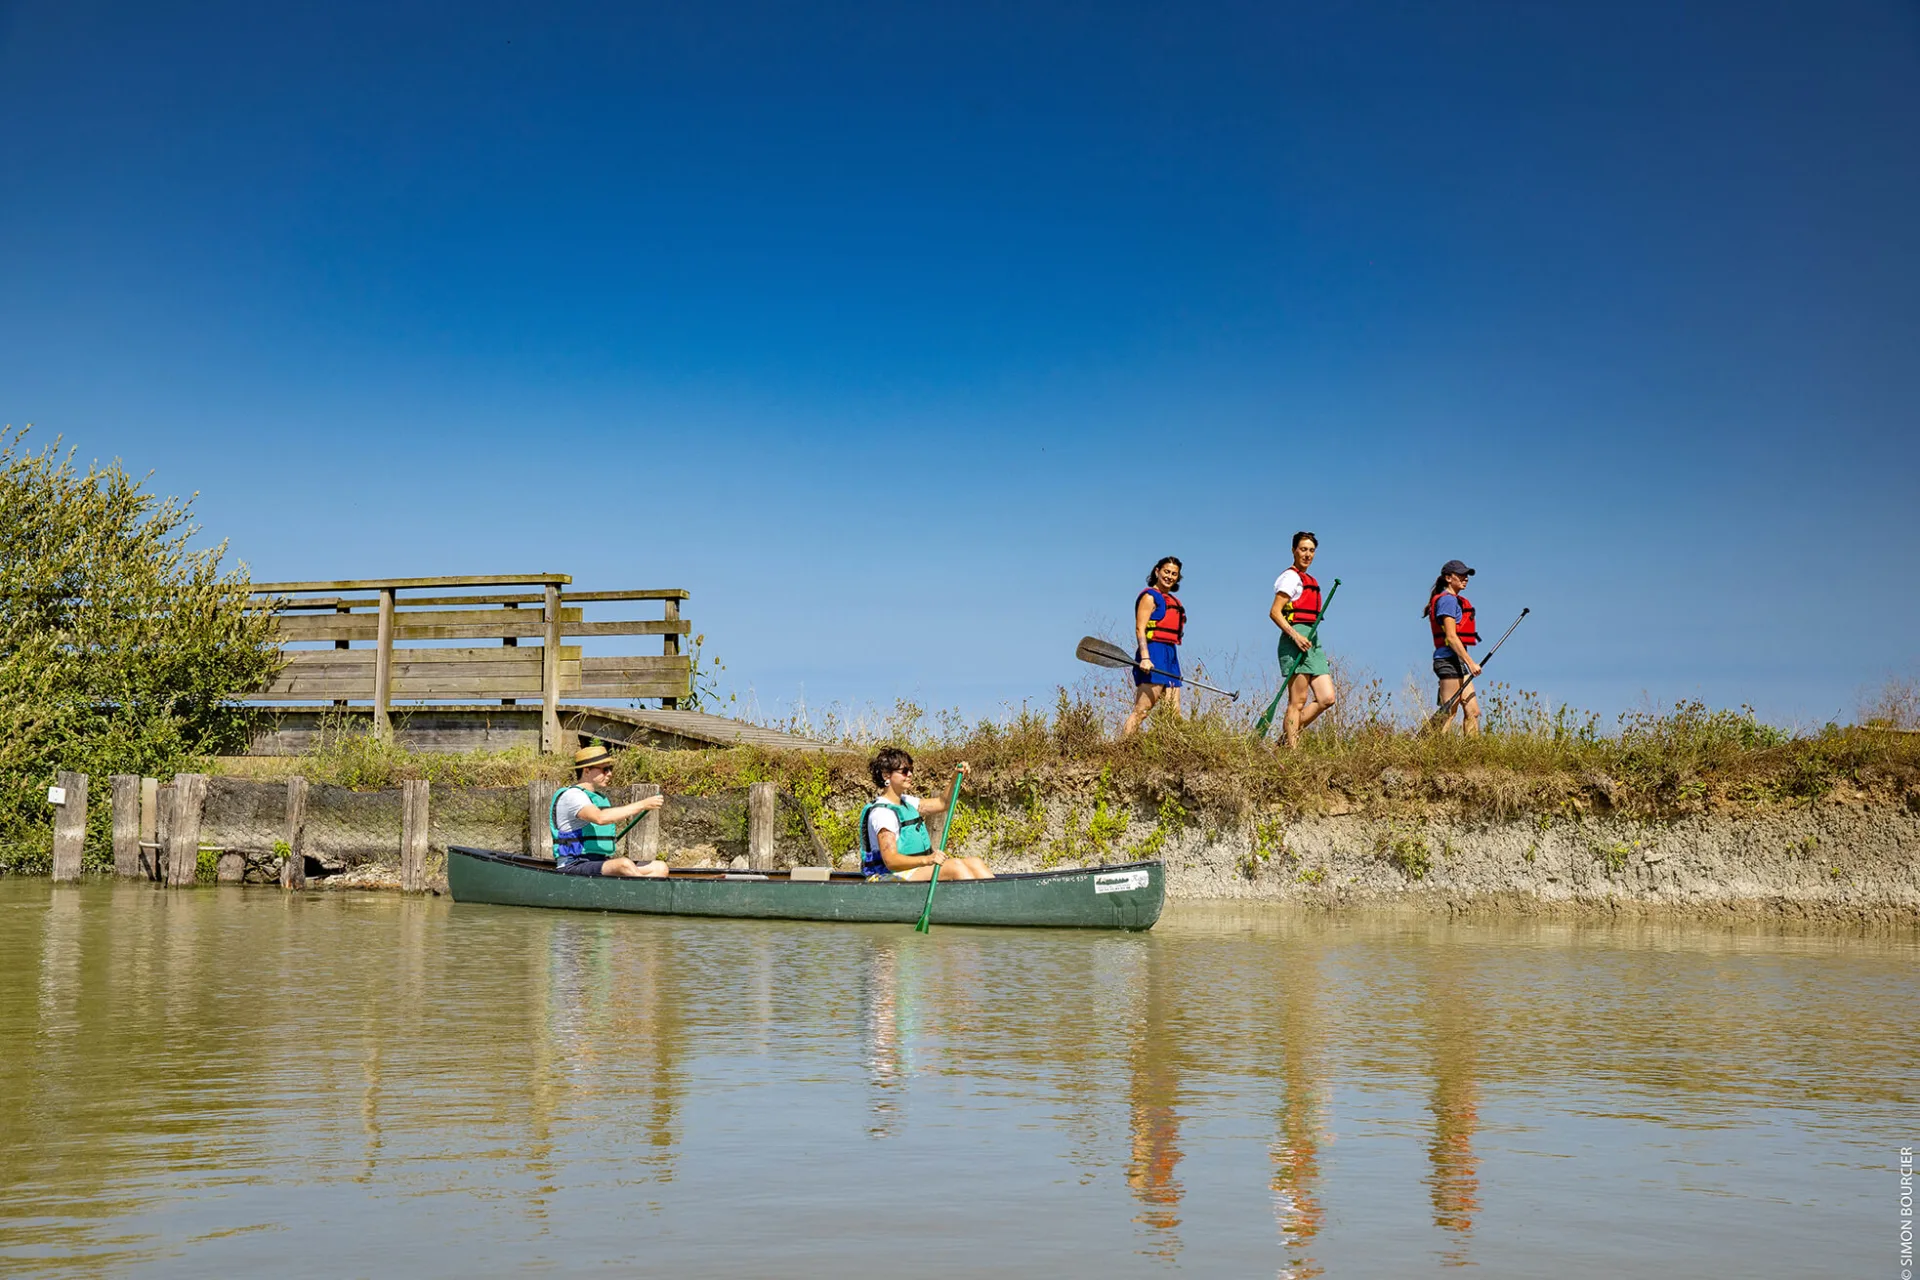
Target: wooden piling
413,835
539,813
70,826
125,790
550,673
383,667
150,838
763,804
189,798
643,842
293,872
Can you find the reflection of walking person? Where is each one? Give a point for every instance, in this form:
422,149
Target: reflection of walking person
1159,620
1450,617
1303,663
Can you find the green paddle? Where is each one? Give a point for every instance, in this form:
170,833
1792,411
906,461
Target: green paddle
1290,666
925,923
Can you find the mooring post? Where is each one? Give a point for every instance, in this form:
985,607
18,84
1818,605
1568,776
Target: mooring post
150,837
293,872
383,666
125,789
763,803
69,825
183,827
413,835
539,811
643,842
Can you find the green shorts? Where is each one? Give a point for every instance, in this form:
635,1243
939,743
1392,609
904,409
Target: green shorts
1312,663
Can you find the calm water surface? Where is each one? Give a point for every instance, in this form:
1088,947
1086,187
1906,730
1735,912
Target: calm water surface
237,1081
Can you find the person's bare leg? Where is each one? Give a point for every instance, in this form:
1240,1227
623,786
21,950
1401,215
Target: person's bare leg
1297,690
1173,702
1449,686
628,869
1470,707
979,868
1144,696
1322,687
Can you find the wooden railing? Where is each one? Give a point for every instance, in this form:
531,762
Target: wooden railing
370,611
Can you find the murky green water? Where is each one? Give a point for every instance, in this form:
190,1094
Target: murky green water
233,1081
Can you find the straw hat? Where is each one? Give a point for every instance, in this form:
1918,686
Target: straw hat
587,757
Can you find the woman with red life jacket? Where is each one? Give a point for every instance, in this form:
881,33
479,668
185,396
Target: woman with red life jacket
1159,621
1296,606
1449,616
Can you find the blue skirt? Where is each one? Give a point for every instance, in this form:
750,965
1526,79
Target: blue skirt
1166,665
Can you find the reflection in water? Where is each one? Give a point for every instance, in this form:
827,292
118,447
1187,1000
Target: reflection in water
1296,1153
1454,1034
215,1082
1154,1116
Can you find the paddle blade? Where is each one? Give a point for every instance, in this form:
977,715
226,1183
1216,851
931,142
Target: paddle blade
1097,651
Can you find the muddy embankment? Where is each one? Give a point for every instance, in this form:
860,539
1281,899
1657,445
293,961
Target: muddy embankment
1837,860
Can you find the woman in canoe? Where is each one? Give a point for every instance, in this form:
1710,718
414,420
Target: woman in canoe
1159,621
585,823
894,844
1449,617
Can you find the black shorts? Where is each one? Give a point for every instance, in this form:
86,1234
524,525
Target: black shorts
582,866
1447,666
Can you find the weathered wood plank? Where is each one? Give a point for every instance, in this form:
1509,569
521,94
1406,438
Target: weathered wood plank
383,667
655,593
183,827
70,826
416,624
126,825
293,872
413,835
150,837
412,584
670,647
550,673
539,818
643,841
763,803
639,628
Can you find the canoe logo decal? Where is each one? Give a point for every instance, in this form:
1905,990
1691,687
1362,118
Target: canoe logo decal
1120,881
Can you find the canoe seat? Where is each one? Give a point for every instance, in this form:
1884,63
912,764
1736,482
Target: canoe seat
820,874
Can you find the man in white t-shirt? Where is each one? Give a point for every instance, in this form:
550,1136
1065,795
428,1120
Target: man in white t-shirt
586,824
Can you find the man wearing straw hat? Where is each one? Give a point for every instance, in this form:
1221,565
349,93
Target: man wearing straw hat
586,826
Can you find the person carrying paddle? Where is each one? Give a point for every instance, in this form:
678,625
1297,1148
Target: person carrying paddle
894,844
1303,663
1159,621
585,823
1449,616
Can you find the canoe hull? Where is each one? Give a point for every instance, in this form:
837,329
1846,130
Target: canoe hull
1121,897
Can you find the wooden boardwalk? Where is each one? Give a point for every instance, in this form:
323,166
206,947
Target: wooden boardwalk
416,639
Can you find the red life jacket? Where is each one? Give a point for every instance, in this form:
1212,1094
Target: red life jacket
1306,610
1169,620
1463,628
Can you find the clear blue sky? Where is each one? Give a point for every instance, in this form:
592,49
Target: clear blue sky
907,337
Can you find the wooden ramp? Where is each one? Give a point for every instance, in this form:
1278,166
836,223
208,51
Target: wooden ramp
488,726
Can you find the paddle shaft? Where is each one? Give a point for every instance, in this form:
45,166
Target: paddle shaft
925,923
1291,667
1112,655
1446,711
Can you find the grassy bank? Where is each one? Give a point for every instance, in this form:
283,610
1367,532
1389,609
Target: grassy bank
1207,770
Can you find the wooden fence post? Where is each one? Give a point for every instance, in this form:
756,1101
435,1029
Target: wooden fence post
670,644
643,842
293,872
763,803
125,789
183,828
550,674
150,837
383,667
413,835
70,826
539,812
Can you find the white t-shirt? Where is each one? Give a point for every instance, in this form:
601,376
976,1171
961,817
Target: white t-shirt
1289,585
881,818
566,813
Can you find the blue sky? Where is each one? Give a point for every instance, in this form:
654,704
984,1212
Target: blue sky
907,340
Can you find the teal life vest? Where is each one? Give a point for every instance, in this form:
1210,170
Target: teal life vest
912,840
592,840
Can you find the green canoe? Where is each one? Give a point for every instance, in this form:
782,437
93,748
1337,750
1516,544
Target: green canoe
1122,897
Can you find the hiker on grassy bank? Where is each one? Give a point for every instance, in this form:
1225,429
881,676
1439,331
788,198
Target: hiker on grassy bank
1303,663
894,842
1449,616
1159,620
586,824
